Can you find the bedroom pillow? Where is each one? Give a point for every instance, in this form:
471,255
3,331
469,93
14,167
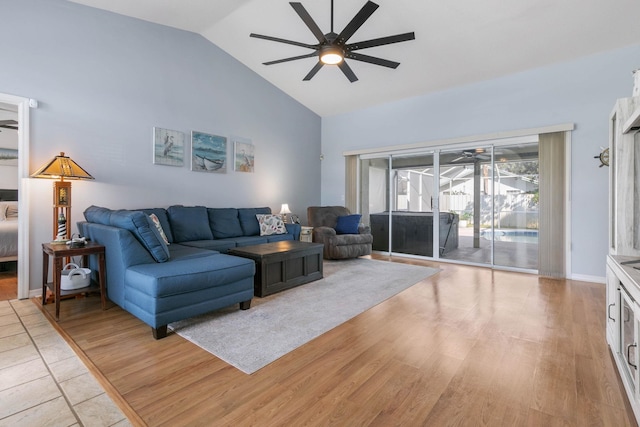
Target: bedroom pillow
348,224
3,211
12,210
271,224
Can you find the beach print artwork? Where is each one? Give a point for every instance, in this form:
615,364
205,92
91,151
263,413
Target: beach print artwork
208,153
244,154
168,147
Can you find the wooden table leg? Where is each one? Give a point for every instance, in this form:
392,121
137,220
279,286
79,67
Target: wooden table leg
45,276
57,278
101,279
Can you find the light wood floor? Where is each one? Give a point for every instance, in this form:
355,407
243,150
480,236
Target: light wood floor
468,346
8,281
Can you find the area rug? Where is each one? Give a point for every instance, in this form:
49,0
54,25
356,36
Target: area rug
282,322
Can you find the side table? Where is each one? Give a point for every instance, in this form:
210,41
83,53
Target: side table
61,251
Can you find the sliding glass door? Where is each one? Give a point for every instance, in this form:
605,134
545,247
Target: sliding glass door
476,205
466,191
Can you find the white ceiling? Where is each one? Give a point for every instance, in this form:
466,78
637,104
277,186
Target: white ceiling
457,42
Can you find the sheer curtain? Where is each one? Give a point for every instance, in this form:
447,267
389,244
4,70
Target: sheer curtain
351,183
551,235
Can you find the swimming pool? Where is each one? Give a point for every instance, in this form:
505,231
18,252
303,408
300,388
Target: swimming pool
511,235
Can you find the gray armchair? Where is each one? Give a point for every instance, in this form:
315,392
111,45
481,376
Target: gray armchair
324,219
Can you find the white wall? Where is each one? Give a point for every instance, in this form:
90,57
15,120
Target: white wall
103,81
581,91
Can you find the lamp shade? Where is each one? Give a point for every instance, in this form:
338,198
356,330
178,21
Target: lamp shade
62,167
285,209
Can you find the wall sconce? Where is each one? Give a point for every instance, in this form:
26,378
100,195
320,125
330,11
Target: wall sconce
61,167
284,210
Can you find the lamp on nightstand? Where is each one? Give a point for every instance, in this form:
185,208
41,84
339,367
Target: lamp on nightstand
61,167
284,210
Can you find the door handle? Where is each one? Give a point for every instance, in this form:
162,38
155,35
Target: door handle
629,357
609,311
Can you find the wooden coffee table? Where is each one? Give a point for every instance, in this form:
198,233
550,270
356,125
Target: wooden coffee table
282,265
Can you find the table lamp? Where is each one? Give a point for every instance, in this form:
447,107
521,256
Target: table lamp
284,210
64,168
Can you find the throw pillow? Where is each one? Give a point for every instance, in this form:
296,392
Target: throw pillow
348,224
3,211
156,222
271,224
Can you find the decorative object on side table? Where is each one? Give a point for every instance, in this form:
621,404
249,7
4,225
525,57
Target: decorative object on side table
61,167
306,234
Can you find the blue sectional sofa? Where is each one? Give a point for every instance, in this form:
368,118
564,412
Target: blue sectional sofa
161,282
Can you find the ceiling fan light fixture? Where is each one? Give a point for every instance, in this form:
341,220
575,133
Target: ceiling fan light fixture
331,55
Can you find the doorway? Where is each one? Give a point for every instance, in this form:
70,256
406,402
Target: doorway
17,110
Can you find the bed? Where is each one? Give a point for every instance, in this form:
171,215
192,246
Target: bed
8,225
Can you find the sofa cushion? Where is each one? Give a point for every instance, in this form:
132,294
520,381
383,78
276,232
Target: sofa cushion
189,223
348,224
248,220
270,224
98,215
188,275
224,222
141,225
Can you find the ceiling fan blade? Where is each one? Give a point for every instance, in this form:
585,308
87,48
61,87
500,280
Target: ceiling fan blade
347,71
276,39
313,71
308,20
381,41
357,21
293,58
372,60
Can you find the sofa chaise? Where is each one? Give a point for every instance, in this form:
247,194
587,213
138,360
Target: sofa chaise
162,281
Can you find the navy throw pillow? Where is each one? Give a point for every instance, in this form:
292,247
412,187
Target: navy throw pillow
348,224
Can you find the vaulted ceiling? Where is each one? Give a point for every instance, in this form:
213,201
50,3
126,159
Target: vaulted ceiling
457,42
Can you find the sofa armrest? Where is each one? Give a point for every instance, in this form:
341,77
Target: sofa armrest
323,234
294,229
364,229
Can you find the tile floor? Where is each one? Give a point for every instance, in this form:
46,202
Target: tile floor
42,381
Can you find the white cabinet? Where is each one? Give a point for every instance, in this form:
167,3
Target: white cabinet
623,262
624,178
613,309
623,322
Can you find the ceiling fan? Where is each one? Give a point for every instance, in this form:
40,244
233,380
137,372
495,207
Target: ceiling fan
332,48
477,154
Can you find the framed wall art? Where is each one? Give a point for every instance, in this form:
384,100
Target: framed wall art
168,147
208,153
243,156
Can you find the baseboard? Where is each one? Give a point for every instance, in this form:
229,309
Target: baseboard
587,278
